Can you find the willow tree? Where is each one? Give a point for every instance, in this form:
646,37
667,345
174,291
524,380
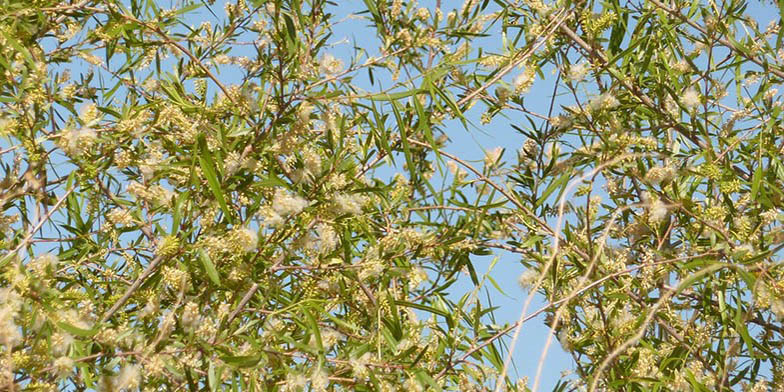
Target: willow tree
237,204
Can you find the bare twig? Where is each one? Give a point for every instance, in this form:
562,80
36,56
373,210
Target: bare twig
40,224
244,301
135,286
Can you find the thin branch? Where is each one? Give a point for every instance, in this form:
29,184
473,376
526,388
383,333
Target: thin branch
40,224
244,301
135,286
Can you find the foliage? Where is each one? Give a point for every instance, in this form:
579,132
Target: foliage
241,207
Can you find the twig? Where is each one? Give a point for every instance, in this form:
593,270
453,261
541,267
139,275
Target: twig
40,224
135,286
62,17
244,301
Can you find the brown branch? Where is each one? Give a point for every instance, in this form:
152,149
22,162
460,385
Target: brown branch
244,301
62,17
135,286
40,224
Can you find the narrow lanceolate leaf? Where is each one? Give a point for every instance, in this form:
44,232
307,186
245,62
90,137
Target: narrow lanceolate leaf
209,267
555,184
78,331
756,181
394,96
241,361
208,168
213,377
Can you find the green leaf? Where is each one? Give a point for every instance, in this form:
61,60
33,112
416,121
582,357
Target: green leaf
531,241
315,331
6,259
208,167
290,27
213,377
497,287
756,181
270,181
241,361
423,307
425,379
187,9
78,331
209,267
402,127
552,187
740,326
450,101
10,40
394,96
693,8
618,33
177,216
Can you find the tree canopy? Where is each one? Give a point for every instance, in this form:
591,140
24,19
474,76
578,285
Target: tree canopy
218,196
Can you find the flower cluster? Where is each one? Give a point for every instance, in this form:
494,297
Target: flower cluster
77,142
